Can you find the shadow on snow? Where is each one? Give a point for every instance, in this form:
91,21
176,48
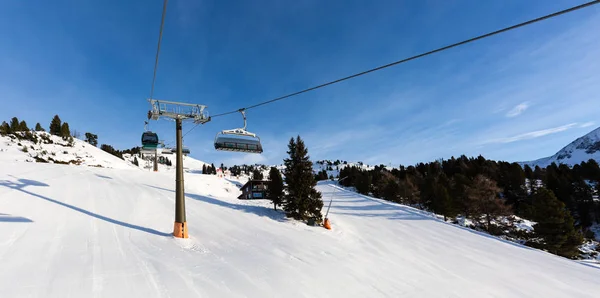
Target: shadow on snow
22,183
12,218
277,215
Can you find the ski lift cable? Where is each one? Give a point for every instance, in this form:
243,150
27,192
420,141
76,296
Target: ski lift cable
162,25
555,14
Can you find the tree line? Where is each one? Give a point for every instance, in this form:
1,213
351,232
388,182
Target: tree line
559,198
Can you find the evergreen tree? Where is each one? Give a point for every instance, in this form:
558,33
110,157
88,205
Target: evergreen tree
443,202
275,188
14,124
65,132
409,192
55,126
39,127
223,168
528,172
204,169
459,184
583,197
257,174
390,190
92,139
4,128
135,161
23,126
363,182
555,225
302,200
111,150
213,170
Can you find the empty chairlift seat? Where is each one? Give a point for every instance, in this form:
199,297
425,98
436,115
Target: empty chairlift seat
249,145
184,150
238,140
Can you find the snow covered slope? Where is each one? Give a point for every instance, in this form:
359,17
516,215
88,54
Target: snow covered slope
68,231
53,149
190,164
582,149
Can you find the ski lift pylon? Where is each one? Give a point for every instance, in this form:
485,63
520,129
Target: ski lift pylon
241,140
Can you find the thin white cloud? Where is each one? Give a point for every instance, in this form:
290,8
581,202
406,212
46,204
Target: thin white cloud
518,110
587,124
533,134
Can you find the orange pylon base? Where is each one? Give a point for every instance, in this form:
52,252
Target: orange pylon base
327,224
180,230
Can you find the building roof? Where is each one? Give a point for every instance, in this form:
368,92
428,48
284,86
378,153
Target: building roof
253,181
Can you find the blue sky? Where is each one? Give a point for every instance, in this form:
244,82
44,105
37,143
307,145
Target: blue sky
518,96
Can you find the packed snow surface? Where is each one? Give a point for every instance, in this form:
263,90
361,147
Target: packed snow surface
79,231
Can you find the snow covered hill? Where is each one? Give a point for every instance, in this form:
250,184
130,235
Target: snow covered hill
582,149
44,147
87,231
190,164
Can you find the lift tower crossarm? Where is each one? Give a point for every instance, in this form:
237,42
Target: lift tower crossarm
178,110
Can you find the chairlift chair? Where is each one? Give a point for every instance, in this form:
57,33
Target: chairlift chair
238,140
184,150
149,140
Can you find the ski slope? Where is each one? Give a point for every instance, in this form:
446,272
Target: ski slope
78,231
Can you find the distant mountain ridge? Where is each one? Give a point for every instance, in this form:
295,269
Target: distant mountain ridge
582,149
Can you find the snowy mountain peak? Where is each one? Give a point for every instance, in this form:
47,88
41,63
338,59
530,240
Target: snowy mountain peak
582,149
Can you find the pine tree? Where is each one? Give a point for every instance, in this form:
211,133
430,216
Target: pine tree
443,203
55,126
213,170
38,127
91,138
14,124
363,182
4,128
204,169
390,190
23,126
528,172
257,174
65,132
135,161
555,225
410,192
583,196
302,200
275,188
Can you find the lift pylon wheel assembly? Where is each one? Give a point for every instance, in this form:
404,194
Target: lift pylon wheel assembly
179,112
